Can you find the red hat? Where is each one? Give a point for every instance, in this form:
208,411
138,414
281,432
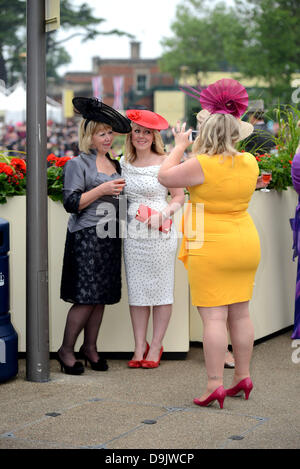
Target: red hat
148,119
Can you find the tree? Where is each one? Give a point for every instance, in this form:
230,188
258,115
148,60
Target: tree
201,36
12,21
270,46
79,20
85,25
257,38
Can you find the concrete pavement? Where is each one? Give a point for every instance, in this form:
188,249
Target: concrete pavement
153,409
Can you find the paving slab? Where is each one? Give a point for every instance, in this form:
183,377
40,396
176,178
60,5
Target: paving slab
188,429
153,409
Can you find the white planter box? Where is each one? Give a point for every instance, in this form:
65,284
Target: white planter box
116,331
272,304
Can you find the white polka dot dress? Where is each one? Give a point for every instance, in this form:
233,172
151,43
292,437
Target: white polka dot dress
149,255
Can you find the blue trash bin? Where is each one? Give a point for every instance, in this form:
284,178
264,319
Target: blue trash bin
8,335
8,349
4,266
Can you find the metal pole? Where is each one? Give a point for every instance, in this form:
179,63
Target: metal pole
37,308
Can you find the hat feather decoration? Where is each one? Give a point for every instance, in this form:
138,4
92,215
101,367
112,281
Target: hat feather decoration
193,92
226,96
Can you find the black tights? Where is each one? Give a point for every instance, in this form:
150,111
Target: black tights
89,318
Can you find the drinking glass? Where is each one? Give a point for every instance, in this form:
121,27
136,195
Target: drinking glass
118,196
266,177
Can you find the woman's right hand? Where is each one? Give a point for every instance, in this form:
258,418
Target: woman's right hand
182,136
113,187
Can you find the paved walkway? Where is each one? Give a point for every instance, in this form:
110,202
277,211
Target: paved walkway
153,409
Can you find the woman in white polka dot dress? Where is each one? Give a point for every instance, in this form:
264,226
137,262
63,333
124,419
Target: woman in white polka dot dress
149,254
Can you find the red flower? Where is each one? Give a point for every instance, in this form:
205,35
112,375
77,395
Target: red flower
290,161
62,161
5,168
52,158
18,164
133,115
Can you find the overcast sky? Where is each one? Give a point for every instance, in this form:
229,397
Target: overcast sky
148,20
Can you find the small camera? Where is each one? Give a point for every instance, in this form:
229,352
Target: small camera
193,135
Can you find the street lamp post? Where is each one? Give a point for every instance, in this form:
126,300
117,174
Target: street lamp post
37,308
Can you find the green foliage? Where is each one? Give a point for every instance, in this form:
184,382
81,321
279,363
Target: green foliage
270,43
12,22
79,19
55,183
257,38
12,177
286,141
201,36
280,166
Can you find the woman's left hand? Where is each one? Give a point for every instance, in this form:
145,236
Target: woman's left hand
155,221
260,184
181,136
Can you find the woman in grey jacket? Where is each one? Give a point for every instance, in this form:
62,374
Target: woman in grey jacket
91,275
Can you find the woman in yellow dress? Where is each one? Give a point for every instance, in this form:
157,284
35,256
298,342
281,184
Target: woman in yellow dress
220,246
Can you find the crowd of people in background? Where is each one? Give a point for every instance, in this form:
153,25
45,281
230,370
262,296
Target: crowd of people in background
62,139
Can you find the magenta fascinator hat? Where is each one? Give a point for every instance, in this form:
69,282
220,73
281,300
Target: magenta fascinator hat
226,96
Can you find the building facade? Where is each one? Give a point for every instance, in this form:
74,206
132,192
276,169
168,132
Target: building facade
121,83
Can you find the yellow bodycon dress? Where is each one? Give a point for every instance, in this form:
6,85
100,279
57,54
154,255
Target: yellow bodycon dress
220,246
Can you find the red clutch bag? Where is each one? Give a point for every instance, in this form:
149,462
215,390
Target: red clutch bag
144,212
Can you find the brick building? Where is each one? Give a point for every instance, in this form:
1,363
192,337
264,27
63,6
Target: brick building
141,78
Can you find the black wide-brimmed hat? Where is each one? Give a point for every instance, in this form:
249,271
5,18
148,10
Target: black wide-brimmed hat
92,109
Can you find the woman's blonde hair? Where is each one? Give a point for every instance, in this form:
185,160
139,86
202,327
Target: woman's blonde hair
217,136
86,132
157,146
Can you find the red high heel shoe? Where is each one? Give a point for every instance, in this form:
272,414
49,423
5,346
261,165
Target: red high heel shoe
219,394
138,363
245,386
151,364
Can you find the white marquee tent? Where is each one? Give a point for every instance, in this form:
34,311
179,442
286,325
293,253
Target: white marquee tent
13,107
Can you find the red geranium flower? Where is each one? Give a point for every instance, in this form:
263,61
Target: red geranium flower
19,164
52,158
5,168
62,161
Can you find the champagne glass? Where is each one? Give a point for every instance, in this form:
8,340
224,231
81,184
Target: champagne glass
266,178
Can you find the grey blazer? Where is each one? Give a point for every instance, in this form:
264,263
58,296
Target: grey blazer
81,175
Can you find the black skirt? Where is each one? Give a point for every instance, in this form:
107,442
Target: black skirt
91,271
